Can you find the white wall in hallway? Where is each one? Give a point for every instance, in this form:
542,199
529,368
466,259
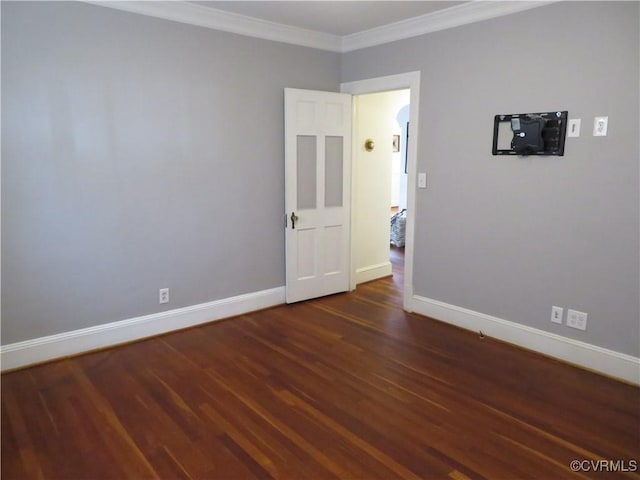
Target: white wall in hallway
376,120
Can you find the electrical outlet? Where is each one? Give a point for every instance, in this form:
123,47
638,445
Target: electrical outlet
600,126
163,294
556,314
576,319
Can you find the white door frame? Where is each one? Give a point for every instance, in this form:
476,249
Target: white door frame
410,80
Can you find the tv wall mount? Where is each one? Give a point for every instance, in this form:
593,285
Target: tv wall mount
530,133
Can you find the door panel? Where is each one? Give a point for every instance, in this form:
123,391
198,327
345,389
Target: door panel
317,192
332,255
334,166
306,167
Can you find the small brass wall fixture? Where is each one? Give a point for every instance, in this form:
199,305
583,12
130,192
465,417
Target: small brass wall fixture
369,145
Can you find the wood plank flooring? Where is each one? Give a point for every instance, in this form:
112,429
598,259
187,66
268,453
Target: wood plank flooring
348,386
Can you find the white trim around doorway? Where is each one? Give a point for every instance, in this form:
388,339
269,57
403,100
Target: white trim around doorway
410,80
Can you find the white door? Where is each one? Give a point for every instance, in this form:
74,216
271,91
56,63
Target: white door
317,193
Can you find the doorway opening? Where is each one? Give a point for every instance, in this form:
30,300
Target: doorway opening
402,81
380,184
401,110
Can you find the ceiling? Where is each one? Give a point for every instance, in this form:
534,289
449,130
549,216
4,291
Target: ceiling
338,26
339,18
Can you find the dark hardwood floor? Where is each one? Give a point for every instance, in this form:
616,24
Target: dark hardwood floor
348,386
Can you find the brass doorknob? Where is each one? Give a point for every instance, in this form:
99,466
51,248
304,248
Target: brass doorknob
369,145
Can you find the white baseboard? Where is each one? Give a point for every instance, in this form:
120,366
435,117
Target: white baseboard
589,356
43,349
373,272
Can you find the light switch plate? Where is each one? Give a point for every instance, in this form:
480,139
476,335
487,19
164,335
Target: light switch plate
422,180
600,125
573,127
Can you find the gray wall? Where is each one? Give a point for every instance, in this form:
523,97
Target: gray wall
511,237
138,153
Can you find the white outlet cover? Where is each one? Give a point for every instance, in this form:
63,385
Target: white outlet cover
163,295
556,314
600,125
576,319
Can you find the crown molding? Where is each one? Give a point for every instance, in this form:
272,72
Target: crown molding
215,19
194,14
464,14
